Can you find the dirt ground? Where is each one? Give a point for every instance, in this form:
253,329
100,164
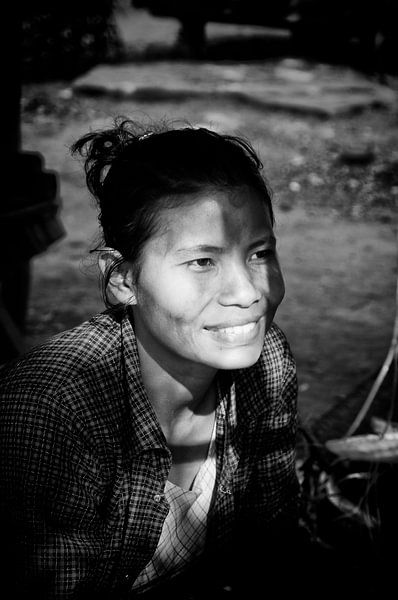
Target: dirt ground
335,184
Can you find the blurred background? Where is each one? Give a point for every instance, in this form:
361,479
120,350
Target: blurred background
312,84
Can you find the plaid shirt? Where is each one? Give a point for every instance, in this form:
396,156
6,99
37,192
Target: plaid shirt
84,462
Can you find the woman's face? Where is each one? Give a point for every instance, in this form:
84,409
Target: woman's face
209,283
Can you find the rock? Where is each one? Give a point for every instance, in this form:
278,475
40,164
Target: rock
317,90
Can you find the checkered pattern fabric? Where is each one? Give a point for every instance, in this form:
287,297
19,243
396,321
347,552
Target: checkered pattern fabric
83,460
184,530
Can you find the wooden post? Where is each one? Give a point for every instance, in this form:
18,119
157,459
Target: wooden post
28,206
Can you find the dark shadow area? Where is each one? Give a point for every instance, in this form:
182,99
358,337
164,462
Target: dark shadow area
350,505
63,44
271,46
359,33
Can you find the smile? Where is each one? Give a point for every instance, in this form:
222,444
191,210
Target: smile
236,334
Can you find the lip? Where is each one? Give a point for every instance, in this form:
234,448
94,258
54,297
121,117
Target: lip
238,323
241,334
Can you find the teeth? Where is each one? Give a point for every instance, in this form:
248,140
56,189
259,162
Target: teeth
238,330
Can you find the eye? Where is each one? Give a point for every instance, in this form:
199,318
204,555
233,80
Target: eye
263,255
201,264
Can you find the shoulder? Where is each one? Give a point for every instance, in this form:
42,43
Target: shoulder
275,339
270,384
64,392
276,352
62,358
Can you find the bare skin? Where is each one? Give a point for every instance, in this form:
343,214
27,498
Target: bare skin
186,416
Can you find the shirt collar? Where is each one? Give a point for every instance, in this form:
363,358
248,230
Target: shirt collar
146,431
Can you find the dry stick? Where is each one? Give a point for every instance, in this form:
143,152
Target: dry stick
392,352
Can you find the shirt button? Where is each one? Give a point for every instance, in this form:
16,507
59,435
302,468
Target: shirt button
157,497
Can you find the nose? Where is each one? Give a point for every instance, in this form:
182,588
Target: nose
239,287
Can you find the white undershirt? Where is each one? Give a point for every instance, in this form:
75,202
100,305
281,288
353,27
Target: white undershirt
184,529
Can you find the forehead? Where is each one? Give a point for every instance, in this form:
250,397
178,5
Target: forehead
214,217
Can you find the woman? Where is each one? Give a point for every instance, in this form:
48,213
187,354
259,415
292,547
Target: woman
152,447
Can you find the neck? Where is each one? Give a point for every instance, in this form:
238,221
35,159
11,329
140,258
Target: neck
176,394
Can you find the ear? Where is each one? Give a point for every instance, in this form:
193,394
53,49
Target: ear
121,282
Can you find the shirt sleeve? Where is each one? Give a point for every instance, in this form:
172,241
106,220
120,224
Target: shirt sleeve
54,535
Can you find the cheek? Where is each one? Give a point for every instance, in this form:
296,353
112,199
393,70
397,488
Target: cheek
276,286
172,299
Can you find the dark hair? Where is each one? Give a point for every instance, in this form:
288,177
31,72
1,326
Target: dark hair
131,169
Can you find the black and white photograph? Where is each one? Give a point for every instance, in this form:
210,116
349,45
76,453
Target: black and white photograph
199,300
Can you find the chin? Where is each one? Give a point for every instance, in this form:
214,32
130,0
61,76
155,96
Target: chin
238,358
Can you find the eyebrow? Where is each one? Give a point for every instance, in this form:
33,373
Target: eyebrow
269,239
200,248
218,250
